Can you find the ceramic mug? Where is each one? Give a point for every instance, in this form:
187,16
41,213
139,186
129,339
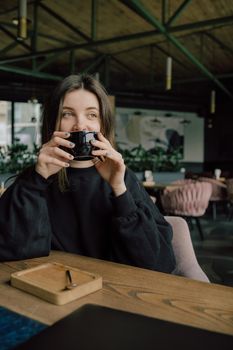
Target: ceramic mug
83,147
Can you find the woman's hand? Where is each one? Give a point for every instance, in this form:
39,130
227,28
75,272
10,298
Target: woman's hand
51,157
112,167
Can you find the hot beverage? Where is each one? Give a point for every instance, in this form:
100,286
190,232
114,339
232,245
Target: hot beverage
83,147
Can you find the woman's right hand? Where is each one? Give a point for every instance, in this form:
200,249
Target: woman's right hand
51,157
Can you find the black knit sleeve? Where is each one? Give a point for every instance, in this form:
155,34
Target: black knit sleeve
141,236
24,223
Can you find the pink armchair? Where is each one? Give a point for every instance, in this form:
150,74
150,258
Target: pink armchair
229,184
189,200
186,261
219,193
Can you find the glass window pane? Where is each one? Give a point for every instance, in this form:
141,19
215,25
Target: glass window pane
27,123
5,123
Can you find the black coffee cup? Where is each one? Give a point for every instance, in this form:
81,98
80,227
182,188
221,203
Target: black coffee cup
83,147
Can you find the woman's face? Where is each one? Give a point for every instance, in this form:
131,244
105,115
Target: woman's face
80,111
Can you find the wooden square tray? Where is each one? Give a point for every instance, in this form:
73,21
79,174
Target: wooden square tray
48,282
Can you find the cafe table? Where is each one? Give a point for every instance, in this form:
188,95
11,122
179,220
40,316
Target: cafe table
150,293
152,185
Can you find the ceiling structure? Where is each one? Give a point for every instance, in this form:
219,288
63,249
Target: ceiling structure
126,42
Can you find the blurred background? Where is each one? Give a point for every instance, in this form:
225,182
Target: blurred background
168,68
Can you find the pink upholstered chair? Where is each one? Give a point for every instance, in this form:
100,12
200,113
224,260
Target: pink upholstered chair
186,261
229,184
189,200
219,193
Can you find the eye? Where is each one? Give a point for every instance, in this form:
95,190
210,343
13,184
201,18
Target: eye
92,115
67,114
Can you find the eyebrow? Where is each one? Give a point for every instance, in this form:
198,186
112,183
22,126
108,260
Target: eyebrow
65,107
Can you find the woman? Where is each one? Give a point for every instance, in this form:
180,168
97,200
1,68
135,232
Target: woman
95,207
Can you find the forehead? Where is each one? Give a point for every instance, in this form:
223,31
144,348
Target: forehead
80,99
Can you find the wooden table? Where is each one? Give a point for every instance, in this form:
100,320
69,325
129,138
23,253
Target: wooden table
160,186
159,295
153,185
2,189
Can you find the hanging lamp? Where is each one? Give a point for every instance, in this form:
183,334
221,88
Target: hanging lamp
22,19
212,101
169,73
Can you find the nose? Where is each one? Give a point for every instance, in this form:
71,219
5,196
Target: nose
78,126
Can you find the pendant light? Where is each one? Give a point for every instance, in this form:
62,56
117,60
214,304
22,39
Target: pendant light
169,73
213,92
212,101
22,19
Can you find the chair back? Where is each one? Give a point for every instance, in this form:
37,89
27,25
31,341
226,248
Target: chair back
219,191
190,199
229,184
186,261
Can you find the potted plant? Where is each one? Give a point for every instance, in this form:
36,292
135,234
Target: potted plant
156,159
15,158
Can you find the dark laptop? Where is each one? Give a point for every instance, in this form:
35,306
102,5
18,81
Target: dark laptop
102,328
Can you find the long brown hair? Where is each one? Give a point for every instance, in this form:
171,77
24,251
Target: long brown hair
51,115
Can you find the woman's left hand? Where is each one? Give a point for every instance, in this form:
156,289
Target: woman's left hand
111,166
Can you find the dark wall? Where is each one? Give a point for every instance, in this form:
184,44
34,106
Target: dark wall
219,139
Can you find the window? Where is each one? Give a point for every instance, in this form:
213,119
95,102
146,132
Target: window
26,125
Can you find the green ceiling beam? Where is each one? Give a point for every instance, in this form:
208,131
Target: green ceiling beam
175,29
34,35
41,35
125,38
51,58
13,9
178,12
29,72
63,21
138,8
8,33
93,18
166,53
43,75
94,63
196,80
164,11
219,42
8,47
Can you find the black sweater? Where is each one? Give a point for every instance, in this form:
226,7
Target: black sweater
87,219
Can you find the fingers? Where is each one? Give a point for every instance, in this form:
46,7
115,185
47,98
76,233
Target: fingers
59,139
54,155
63,134
110,154
102,138
48,159
51,153
105,153
105,150
101,142
55,151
